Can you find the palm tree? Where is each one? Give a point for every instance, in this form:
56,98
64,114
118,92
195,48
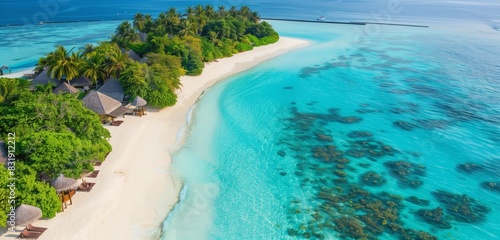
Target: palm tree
139,22
45,88
115,63
124,34
148,23
186,29
209,11
160,30
173,19
222,11
233,11
200,18
213,37
254,17
244,12
62,65
8,87
40,66
189,11
87,49
93,67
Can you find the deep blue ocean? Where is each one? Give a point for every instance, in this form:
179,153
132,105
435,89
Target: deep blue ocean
370,132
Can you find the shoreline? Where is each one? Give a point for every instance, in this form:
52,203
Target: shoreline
135,190
18,74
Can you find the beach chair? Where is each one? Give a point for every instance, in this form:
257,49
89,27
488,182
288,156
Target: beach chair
116,123
86,186
30,235
32,228
93,174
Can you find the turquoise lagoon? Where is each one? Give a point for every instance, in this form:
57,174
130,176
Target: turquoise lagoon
22,46
387,131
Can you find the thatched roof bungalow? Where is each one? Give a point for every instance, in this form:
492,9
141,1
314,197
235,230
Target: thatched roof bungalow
113,88
104,105
65,88
43,79
81,82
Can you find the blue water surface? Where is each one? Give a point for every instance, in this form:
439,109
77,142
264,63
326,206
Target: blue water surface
281,151
273,153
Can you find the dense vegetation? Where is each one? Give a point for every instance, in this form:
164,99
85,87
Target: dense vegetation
54,134
170,46
57,134
201,35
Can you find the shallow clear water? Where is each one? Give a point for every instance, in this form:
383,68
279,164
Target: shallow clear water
273,153
22,46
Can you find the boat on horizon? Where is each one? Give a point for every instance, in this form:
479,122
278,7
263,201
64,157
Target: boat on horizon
322,18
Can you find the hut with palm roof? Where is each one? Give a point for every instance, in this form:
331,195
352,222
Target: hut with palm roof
114,89
81,82
107,107
43,78
65,88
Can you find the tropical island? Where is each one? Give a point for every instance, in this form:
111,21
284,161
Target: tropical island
58,137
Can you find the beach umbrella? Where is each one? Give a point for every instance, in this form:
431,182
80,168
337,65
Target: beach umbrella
139,102
62,183
27,214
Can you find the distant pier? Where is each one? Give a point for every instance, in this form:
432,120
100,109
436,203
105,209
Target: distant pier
340,22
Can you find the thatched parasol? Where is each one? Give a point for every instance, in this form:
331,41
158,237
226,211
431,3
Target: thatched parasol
62,183
27,214
139,102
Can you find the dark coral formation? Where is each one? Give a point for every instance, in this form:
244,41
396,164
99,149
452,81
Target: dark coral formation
462,207
407,126
359,134
470,168
491,186
434,217
417,201
309,71
339,206
349,227
329,153
408,174
369,148
373,179
282,153
323,137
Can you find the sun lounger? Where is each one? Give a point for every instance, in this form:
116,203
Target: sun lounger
27,234
93,174
116,123
32,228
86,186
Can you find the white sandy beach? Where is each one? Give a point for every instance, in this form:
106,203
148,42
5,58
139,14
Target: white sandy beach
134,190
